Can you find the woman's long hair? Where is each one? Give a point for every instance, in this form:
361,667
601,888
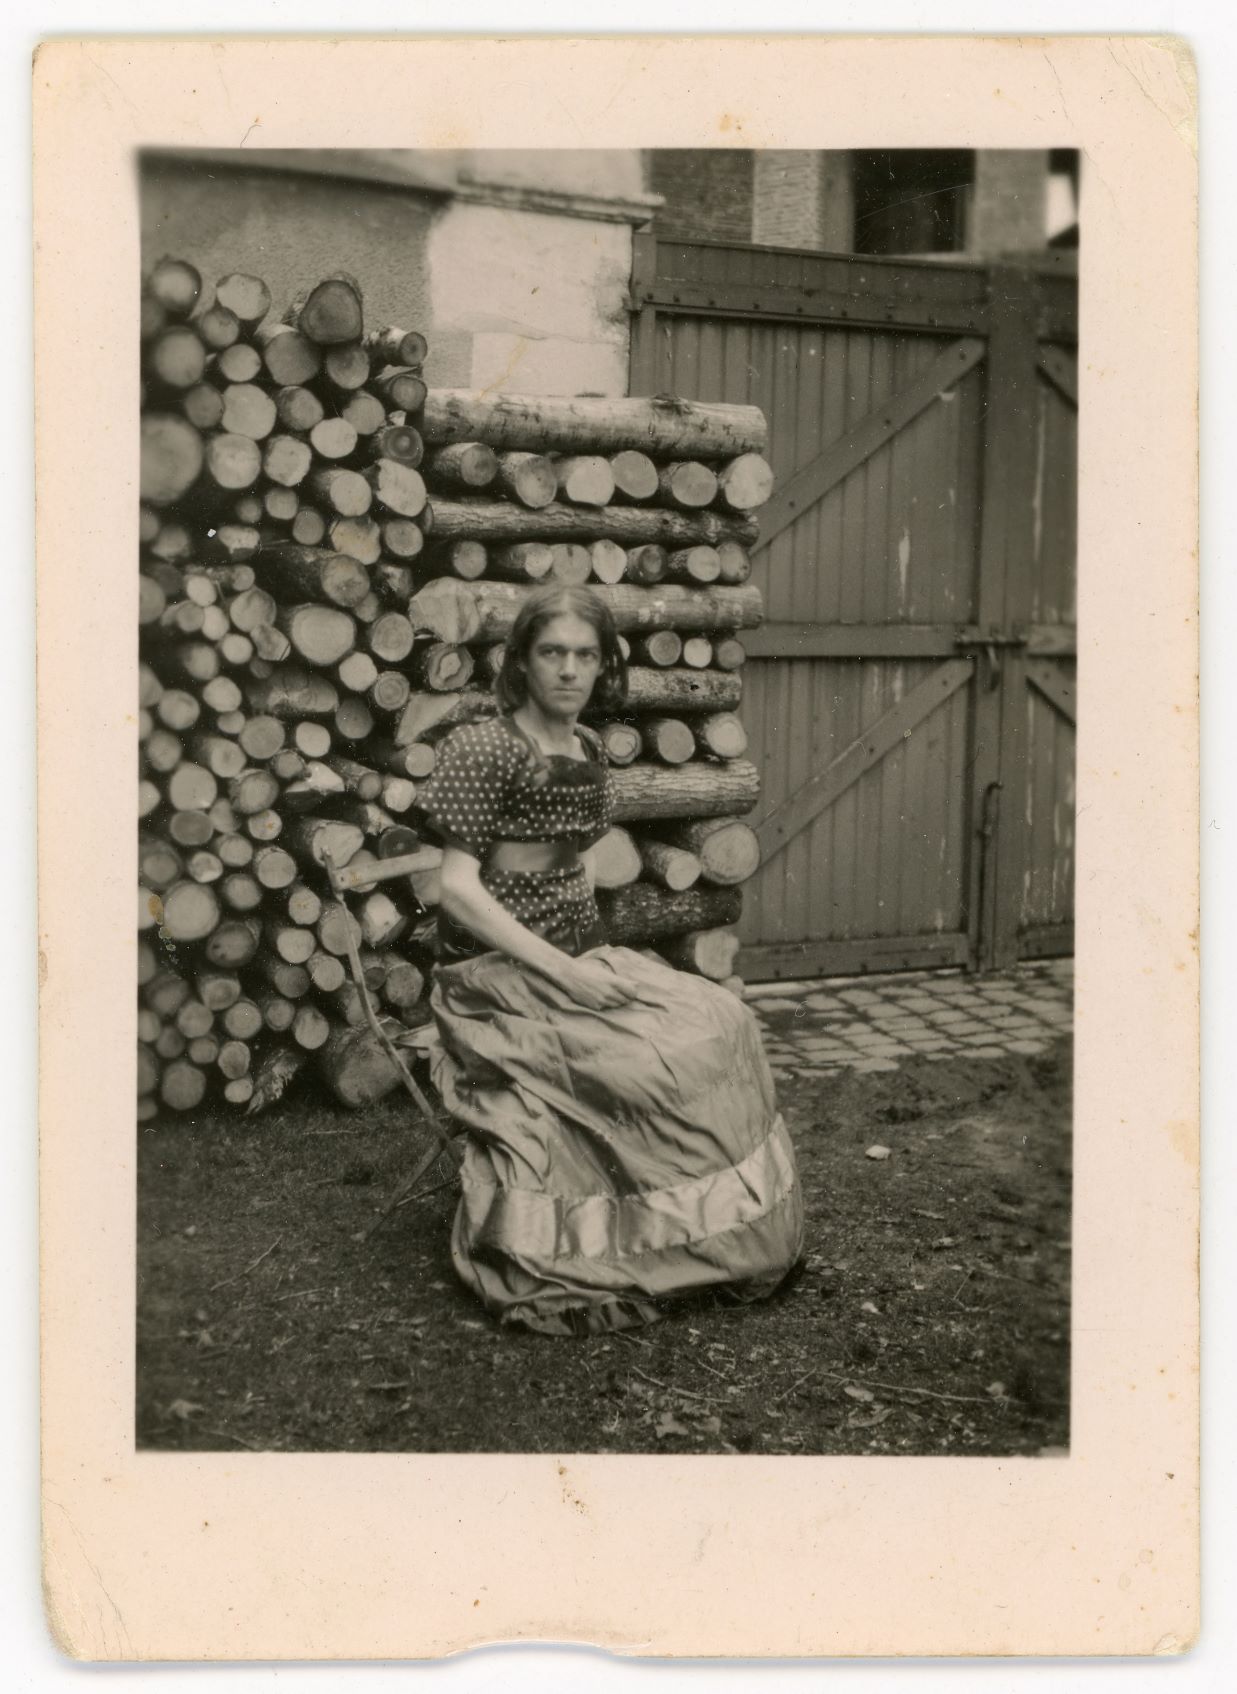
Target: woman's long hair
543,604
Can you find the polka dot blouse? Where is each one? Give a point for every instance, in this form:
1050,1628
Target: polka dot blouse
491,783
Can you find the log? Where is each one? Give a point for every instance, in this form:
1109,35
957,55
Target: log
247,296
317,782
176,285
261,737
311,1028
238,363
616,859
335,926
274,867
721,734
608,561
635,475
367,415
289,693
253,791
171,458
353,719
330,313
669,867
675,690
290,358
309,838
397,488
693,790
177,357
664,426
745,483
465,559
249,411
530,479
359,539
448,611
494,520
698,652
396,441
382,922
709,953
468,465
688,485
234,1060
182,1085
343,491
310,573
585,479
440,666
495,605
401,387
320,635
290,981
526,561
204,866
290,942
694,564
190,788
265,825
190,911
242,1020
396,346
433,715
240,892
299,409
570,563
402,538
729,653
389,638
203,406
286,460
327,973
643,913
392,581
235,851
356,1067
277,1012
647,564
303,904
194,1019
667,739
404,985
621,741
190,829
389,691
728,849
662,648
233,462
345,369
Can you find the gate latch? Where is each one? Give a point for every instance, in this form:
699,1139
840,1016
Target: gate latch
991,643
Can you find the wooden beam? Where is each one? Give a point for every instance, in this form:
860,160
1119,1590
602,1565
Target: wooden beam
1047,941
1057,689
824,786
786,960
816,478
1061,371
850,641
852,308
1052,640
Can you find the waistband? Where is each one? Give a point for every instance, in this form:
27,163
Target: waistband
532,856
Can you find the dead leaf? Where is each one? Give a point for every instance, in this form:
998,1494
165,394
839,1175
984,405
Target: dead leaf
869,1420
183,1409
996,1389
869,1306
668,1424
878,1152
858,1393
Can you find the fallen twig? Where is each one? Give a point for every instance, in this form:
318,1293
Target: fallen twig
227,1435
687,1393
785,1395
228,1280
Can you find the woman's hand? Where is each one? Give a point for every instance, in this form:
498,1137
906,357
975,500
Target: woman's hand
592,984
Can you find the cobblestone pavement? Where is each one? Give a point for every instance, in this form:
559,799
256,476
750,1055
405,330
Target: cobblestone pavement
874,1023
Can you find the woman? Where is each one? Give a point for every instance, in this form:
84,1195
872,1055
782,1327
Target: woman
624,1144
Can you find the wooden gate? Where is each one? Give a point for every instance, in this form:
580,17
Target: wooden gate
910,697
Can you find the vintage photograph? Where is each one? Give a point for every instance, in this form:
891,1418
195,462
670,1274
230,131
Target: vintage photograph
606,824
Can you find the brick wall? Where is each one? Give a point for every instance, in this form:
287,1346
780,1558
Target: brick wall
708,192
803,199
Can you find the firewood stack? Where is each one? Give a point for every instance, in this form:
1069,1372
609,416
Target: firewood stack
331,559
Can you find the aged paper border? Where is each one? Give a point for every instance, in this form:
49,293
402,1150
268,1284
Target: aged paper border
304,1556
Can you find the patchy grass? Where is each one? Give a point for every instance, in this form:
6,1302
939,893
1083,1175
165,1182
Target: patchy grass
931,1314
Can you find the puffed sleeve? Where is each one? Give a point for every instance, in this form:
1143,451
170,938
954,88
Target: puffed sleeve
601,802
466,796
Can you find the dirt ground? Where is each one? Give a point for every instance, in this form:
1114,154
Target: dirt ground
931,1314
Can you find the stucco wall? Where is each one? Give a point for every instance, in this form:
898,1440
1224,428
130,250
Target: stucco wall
291,228
532,301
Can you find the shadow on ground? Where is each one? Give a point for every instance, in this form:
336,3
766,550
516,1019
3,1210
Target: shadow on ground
931,1314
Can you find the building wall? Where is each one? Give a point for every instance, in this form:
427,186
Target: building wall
708,192
515,265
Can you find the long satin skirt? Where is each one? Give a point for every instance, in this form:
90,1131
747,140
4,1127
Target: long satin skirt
614,1160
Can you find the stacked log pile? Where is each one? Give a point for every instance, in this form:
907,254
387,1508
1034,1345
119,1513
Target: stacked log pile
332,557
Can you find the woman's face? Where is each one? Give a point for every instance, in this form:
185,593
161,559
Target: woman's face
562,666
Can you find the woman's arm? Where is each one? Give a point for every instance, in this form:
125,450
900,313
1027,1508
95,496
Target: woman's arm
470,903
